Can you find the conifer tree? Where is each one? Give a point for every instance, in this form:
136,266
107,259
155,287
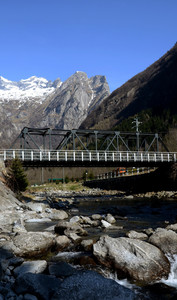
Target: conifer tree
17,178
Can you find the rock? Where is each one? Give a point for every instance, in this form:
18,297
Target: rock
73,236
29,297
58,214
75,228
172,227
40,285
164,239
18,226
105,224
33,244
36,267
61,269
137,235
87,244
110,219
37,207
96,217
137,259
148,231
62,242
91,285
86,220
61,226
75,219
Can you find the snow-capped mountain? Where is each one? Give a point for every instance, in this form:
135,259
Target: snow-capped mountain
37,102
31,88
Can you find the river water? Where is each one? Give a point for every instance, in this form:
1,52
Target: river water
131,214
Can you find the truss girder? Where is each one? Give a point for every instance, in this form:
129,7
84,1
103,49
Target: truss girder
60,139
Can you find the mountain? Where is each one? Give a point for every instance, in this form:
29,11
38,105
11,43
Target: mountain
37,102
70,104
155,88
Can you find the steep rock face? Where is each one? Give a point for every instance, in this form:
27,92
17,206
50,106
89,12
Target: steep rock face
153,88
72,101
36,102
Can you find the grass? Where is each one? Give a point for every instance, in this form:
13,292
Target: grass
70,186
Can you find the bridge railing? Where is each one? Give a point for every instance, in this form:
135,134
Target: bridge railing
79,155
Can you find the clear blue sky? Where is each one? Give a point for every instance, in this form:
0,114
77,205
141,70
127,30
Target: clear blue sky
115,38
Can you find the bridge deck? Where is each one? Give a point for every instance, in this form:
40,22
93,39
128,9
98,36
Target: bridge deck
88,158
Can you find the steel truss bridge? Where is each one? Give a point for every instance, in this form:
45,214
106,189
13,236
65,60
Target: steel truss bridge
96,148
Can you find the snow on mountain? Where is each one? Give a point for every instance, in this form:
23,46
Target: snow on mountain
26,89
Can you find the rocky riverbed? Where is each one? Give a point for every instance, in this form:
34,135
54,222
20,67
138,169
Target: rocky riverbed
49,249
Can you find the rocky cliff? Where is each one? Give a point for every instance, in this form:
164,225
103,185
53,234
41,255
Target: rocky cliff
36,102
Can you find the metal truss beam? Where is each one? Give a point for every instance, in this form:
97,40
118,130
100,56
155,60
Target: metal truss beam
77,139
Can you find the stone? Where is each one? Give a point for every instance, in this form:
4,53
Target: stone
137,235
37,207
96,217
61,269
33,244
110,219
164,239
40,285
75,219
36,267
74,237
58,214
75,228
87,244
29,297
105,224
137,259
62,242
172,227
91,285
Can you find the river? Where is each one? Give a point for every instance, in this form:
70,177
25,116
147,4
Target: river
131,214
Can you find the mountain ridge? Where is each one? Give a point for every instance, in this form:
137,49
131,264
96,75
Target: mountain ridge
48,104
155,87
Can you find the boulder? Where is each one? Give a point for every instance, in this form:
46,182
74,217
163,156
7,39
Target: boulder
63,227
91,285
105,224
164,239
96,217
40,285
87,244
75,219
36,267
137,235
33,244
172,227
62,242
110,219
61,269
58,214
37,207
135,258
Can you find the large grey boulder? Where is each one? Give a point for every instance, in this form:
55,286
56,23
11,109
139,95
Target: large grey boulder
33,244
137,259
92,286
164,239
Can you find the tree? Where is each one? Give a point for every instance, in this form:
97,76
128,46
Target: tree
17,179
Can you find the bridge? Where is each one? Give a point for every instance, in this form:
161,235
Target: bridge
71,158
91,148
